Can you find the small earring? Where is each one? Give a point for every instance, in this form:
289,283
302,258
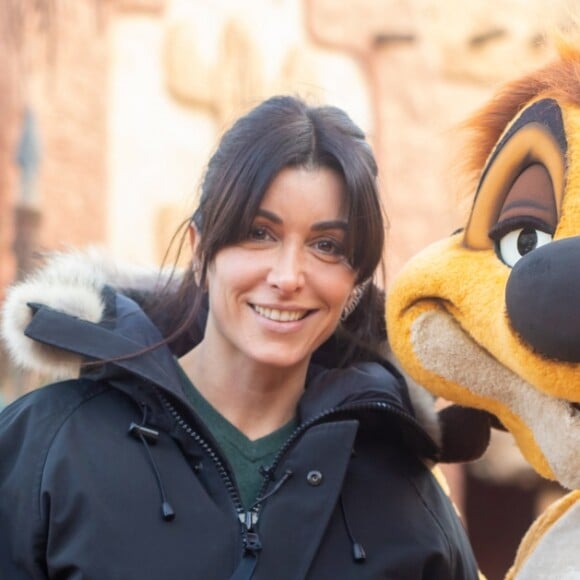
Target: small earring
196,271
353,300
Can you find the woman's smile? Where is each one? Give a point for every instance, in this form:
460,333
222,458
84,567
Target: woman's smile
280,314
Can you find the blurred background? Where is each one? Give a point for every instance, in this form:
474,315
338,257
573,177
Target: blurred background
109,110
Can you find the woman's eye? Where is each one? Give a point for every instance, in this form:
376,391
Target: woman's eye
259,233
329,248
519,242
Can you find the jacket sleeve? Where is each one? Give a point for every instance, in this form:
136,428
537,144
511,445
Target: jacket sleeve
27,429
21,527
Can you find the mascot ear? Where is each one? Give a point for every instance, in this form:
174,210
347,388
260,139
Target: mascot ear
465,433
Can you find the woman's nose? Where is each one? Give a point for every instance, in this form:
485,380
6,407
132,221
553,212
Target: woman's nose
287,270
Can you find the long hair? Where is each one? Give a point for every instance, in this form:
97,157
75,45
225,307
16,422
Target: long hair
284,132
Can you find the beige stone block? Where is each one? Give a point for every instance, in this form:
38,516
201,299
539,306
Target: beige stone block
226,79
359,25
487,40
171,237
327,77
190,72
299,75
240,80
148,6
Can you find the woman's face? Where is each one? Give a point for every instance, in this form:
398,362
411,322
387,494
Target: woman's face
278,295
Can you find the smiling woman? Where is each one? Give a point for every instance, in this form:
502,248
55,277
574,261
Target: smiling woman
251,403
274,298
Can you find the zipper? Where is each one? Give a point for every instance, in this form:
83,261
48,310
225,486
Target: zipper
250,539
249,518
245,518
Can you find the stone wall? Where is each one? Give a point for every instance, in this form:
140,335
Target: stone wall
60,65
69,98
7,174
53,189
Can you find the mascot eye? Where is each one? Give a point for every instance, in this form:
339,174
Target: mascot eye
519,242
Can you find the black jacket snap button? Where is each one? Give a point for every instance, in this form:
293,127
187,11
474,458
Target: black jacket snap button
314,477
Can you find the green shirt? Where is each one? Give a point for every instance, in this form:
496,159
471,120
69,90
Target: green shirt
244,455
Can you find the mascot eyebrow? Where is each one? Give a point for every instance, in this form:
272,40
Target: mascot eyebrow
546,112
536,137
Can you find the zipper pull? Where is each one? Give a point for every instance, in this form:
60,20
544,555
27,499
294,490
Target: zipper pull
249,519
252,547
252,542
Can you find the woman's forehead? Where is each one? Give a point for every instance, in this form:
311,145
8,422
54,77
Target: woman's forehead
318,192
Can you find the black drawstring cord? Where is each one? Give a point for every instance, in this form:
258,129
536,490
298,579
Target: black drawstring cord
358,552
144,434
287,475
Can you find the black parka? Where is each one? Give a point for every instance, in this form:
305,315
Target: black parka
114,477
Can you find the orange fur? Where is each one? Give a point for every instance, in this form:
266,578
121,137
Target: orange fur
559,79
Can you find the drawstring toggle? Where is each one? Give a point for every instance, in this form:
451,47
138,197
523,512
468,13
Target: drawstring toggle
150,436
358,552
167,511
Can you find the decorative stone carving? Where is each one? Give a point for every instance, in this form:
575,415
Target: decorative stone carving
485,41
356,26
240,81
190,71
224,80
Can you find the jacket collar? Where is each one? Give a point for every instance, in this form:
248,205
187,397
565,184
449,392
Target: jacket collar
125,330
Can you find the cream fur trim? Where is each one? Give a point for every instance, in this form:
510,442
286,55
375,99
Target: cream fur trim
70,283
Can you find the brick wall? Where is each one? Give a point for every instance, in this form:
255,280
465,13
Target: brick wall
8,118
53,61
70,96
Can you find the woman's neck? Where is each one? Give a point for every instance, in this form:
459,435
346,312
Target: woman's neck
258,400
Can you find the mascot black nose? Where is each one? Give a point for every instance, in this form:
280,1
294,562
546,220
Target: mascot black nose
543,299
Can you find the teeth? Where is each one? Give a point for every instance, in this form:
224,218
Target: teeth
280,315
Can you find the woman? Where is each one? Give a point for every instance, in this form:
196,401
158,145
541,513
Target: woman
264,437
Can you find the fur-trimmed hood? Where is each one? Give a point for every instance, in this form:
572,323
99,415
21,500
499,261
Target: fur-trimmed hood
76,309
71,283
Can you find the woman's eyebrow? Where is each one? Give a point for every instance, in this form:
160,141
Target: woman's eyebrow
325,225
269,216
330,225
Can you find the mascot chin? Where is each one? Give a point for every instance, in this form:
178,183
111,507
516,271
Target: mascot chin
490,317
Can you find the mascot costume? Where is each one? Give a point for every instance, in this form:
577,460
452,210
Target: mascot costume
490,317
